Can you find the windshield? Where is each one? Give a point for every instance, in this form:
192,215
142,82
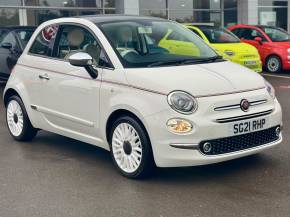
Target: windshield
219,35
276,35
24,36
148,43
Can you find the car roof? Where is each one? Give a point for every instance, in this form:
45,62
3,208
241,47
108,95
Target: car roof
202,25
116,17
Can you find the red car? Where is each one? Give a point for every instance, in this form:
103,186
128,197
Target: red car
272,43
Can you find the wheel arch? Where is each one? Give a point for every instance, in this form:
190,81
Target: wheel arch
8,93
119,113
273,54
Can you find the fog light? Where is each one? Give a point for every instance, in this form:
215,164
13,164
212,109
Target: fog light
207,147
179,126
278,131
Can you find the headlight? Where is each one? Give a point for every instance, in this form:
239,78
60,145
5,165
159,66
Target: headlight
288,50
182,102
270,89
179,126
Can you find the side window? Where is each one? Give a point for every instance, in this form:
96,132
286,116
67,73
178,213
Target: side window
196,32
237,32
10,38
43,43
73,39
251,34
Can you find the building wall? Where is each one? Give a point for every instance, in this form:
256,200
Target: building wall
248,11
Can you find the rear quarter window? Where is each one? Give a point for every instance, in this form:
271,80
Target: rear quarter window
43,43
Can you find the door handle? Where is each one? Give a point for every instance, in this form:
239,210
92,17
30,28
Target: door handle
45,77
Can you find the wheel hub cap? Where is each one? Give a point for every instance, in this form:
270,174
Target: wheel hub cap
14,118
126,148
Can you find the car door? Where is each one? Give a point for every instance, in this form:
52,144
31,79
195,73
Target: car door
8,55
69,99
248,35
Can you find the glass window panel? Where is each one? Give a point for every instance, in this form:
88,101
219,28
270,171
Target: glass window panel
152,4
64,3
36,17
180,5
194,4
10,2
230,4
273,3
110,3
154,13
273,17
9,17
189,16
110,11
89,12
230,17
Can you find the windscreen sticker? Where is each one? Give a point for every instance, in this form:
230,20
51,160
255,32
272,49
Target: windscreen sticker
49,32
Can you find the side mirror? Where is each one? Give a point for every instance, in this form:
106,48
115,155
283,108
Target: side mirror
259,40
82,59
6,45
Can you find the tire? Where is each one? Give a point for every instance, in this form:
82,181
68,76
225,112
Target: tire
18,123
131,153
274,64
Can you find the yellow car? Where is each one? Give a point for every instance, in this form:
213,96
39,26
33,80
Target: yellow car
229,46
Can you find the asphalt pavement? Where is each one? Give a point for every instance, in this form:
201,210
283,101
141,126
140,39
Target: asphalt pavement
54,176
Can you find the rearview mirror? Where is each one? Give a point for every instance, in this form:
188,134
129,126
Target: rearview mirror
6,45
85,60
259,40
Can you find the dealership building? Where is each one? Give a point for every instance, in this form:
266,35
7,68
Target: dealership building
219,12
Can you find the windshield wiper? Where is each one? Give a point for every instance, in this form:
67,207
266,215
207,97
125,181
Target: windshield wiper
202,60
188,61
162,63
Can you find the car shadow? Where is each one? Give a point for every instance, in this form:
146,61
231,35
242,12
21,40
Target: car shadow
55,148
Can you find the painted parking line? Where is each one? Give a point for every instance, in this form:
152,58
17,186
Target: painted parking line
276,76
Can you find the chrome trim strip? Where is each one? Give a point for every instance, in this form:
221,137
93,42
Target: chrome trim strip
227,93
244,117
185,146
237,106
258,102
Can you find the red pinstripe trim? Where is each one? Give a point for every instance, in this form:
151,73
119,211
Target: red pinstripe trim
97,80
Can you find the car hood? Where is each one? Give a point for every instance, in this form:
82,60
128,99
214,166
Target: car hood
238,48
199,80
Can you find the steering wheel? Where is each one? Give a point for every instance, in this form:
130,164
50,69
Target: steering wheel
125,51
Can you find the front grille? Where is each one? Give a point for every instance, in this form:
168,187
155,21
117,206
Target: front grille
240,142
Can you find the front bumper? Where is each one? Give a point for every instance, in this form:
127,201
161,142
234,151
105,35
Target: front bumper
255,67
172,150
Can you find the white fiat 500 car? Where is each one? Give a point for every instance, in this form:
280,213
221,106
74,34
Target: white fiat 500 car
145,89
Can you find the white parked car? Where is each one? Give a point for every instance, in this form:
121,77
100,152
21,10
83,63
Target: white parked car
145,89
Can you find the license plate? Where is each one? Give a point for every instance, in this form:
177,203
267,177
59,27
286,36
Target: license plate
250,63
249,126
